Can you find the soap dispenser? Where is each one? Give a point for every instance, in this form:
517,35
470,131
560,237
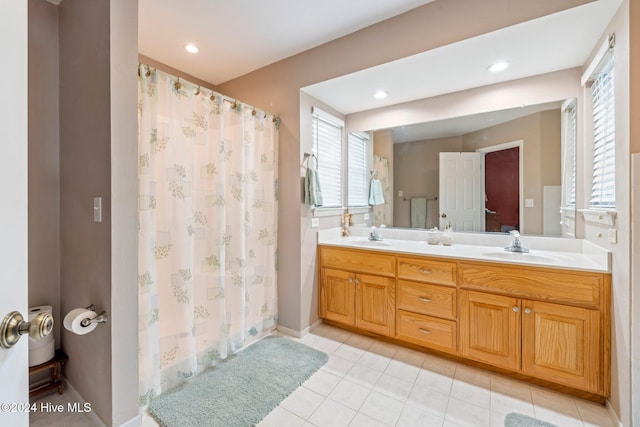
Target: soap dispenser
447,237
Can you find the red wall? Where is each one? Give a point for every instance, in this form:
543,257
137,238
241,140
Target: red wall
502,185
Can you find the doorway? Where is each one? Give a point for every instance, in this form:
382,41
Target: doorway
503,172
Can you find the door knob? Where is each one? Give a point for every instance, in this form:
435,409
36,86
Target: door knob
444,215
13,327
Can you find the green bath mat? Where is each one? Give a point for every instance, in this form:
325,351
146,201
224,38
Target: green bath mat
518,420
243,389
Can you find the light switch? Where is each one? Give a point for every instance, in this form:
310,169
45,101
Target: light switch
315,222
97,209
612,235
366,217
400,193
528,203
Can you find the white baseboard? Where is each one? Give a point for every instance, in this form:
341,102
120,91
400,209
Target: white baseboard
613,415
76,396
298,334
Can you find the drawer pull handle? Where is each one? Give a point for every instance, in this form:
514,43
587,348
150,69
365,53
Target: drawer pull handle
424,331
425,299
424,271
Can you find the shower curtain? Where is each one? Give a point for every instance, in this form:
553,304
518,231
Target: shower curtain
207,228
382,214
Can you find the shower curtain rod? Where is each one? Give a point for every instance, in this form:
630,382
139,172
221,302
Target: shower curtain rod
235,104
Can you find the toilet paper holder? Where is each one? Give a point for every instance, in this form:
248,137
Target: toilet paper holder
100,318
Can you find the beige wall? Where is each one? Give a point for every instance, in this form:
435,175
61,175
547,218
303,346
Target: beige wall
418,174
85,168
98,105
44,164
123,34
276,88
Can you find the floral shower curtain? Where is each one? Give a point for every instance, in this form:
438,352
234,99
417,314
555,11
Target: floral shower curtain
207,228
382,214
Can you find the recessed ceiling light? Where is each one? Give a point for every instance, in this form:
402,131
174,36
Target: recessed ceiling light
381,94
191,48
499,66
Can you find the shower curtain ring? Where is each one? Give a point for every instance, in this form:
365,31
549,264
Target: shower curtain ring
197,92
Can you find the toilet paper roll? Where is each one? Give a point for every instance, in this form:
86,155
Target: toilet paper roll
72,321
41,354
33,312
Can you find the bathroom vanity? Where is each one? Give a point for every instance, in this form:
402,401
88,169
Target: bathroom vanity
542,317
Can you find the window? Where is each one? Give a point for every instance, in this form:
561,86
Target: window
604,141
569,141
357,149
327,146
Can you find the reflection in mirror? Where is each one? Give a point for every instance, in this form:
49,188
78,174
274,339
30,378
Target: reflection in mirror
493,172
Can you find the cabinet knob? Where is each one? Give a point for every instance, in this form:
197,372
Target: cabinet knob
527,311
516,309
444,215
350,279
357,281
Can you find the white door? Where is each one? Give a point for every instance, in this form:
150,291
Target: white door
461,199
14,389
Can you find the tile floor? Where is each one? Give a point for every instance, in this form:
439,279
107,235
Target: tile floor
371,383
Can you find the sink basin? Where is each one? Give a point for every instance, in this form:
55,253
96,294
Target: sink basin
370,243
518,256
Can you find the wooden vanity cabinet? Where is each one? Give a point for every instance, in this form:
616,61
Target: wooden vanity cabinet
352,297
426,303
559,342
538,323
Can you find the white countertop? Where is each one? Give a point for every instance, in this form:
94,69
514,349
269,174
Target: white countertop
572,254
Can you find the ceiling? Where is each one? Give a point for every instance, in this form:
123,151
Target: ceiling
236,37
464,125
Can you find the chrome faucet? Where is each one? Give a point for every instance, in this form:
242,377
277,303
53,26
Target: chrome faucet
375,236
516,245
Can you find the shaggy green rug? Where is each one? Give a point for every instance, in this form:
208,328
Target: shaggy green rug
518,420
243,389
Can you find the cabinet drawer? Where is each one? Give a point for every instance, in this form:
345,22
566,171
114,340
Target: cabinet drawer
427,270
358,261
566,287
432,300
427,331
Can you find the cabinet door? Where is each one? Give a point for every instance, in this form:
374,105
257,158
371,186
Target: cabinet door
337,296
562,344
376,304
490,329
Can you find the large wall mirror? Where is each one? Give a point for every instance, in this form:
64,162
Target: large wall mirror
445,107
492,172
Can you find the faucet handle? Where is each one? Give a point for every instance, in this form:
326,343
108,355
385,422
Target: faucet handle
514,233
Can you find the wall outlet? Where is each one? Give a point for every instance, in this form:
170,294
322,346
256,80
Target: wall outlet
612,235
528,203
400,193
366,217
315,222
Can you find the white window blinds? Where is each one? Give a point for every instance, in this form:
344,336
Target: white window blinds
327,146
604,169
357,149
569,141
